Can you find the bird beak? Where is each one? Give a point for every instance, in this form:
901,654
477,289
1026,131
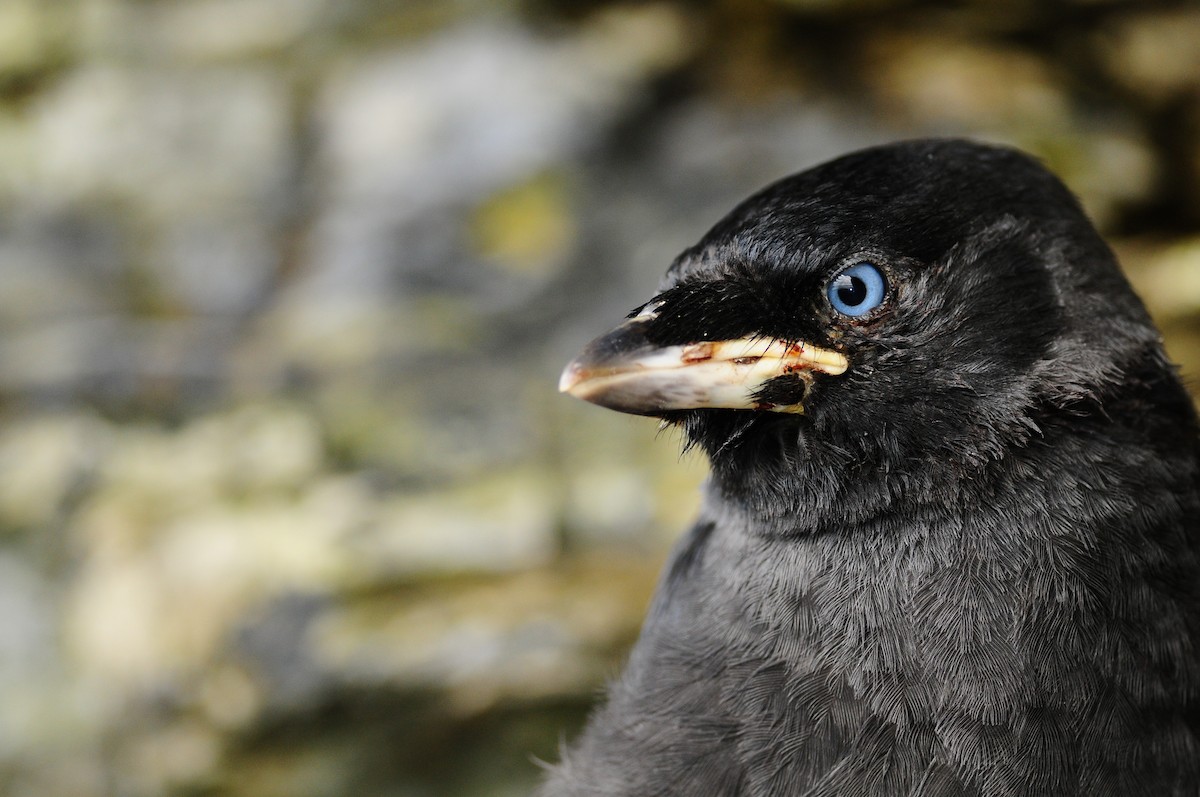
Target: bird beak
623,371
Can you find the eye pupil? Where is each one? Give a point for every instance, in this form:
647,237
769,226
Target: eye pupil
857,290
851,290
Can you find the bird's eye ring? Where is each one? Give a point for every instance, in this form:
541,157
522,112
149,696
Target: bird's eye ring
857,290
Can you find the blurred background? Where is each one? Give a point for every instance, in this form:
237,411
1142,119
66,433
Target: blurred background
289,504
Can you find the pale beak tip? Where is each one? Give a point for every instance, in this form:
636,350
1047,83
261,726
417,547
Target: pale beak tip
572,375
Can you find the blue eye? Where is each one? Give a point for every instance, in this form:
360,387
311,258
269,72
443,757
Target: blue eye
858,290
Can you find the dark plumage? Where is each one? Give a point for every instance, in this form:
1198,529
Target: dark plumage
966,565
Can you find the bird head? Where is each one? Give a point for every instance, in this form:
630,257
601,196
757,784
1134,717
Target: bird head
906,313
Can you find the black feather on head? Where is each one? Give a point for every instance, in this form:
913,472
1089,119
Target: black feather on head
1003,306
